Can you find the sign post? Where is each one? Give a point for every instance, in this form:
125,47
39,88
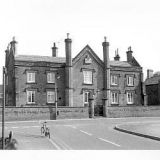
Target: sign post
3,110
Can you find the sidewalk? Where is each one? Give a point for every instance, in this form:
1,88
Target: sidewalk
146,130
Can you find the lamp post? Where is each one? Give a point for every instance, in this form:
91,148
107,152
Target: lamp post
3,110
56,99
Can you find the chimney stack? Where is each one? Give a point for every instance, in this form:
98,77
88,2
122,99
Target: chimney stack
106,79
68,43
129,55
117,57
13,46
149,73
68,73
54,50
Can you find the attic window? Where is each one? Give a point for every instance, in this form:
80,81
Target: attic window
87,60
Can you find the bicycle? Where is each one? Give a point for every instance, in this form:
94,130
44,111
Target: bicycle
45,130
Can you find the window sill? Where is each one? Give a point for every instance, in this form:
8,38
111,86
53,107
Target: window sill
31,83
130,85
87,84
130,104
31,104
114,85
114,104
50,103
50,82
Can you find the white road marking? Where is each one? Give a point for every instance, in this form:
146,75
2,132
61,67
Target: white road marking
61,143
26,127
35,126
86,132
14,127
109,142
71,126
55,145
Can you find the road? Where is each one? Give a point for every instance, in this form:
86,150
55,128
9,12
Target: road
87,134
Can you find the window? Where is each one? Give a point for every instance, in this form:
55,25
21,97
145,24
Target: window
50,97
30,97
86,97
87,77
114,80
130,80
31,77
114,97
51,77
130,98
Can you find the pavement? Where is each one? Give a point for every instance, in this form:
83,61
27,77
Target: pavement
147,130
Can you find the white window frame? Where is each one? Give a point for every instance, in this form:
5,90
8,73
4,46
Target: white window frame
130,81
87,77
31,77
84,97
130,100
50,99
114,98
50,77
114,80
31,93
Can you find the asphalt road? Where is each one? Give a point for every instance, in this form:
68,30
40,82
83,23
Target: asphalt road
89,134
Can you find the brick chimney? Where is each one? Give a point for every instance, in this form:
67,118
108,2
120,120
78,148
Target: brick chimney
68,73
106,78
13,48
117,57
129,55
54,50
149,73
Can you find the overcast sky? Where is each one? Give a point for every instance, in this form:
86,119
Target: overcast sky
36,24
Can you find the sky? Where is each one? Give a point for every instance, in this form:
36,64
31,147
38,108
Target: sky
36,24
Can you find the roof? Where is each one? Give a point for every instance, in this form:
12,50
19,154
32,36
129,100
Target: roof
152,80
120,64
36,58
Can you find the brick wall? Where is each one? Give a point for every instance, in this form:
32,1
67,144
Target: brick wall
41,84
134,111
78,80
43,113
123,88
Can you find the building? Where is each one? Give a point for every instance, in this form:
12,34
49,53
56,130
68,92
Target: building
152,87
32,80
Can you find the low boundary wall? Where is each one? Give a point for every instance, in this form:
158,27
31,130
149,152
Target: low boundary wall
133,111
43,113
48,113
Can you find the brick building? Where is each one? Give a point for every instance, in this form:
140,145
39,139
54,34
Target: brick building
31,80
152,87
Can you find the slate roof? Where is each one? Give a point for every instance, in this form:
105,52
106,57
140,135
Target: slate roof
36,58
152,80
120,64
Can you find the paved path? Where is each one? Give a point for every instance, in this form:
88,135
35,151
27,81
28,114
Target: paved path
89,134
